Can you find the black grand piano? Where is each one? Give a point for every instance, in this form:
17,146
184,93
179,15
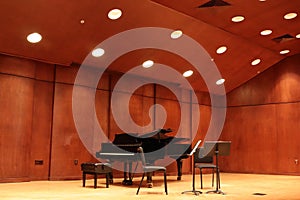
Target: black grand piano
124,148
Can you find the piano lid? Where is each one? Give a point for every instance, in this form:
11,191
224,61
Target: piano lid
157,134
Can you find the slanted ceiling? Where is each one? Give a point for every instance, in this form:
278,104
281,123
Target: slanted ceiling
66,40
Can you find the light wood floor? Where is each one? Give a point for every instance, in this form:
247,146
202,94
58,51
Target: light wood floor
235,186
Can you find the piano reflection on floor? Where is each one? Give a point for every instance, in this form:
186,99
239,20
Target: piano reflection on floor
127,150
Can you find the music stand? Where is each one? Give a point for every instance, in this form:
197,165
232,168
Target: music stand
196,192
217,148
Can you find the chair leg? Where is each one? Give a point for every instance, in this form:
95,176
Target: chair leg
95,180
165,180
137,192
107,179
213,177
201,178
83,179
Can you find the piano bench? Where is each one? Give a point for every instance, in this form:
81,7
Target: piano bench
95,169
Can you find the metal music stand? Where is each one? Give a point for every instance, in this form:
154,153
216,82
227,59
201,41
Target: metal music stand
217,148
196,192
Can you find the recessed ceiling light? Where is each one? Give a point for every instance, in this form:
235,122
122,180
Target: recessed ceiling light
237,18
188,73
114,14
176,34
221,49
298,36
148,63
82,21
34,37
262,0
255,62
98,52
220,81
284,51
266,32
290,15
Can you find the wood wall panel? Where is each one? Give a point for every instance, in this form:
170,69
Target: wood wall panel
269,103
41,130
253,141
17,66
16,100
66,144
288,147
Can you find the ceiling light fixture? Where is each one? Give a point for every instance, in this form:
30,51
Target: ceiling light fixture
34,38
221,49
98,52
188,73
298,36
220,81
176,34
266,32
290,16
237,18
148,63
255,62
284,51
82,21
114,14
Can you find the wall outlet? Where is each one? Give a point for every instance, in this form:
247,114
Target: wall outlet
38,162
75,162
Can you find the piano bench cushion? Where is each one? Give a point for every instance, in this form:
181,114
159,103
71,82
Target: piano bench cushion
98,168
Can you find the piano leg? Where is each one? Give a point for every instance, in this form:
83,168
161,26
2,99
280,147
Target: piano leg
149,180
179,168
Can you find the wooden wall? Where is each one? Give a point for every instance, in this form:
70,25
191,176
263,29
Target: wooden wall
263,122
36,121
38,137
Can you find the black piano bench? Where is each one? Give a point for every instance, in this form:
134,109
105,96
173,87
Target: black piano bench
95,169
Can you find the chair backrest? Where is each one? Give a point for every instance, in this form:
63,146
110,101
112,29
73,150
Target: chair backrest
199,156
142,155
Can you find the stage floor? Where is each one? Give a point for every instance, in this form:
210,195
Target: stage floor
235,186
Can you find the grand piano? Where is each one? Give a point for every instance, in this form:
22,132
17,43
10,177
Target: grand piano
124,148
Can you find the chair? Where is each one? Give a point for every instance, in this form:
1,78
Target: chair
149,169
202,161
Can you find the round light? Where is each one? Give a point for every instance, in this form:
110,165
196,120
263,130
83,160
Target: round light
148,63
221,49
98,52
220,81
290,15
82,21
298,36
266,32
188,73
255,62
176,34
284,51
114,14
237,18
34,37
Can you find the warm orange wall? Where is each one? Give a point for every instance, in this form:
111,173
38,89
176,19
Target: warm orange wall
36,121
263,122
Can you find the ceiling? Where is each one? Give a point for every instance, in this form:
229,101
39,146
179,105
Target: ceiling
67,40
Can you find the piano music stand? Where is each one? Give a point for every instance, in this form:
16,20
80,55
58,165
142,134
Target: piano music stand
218,148
196,192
